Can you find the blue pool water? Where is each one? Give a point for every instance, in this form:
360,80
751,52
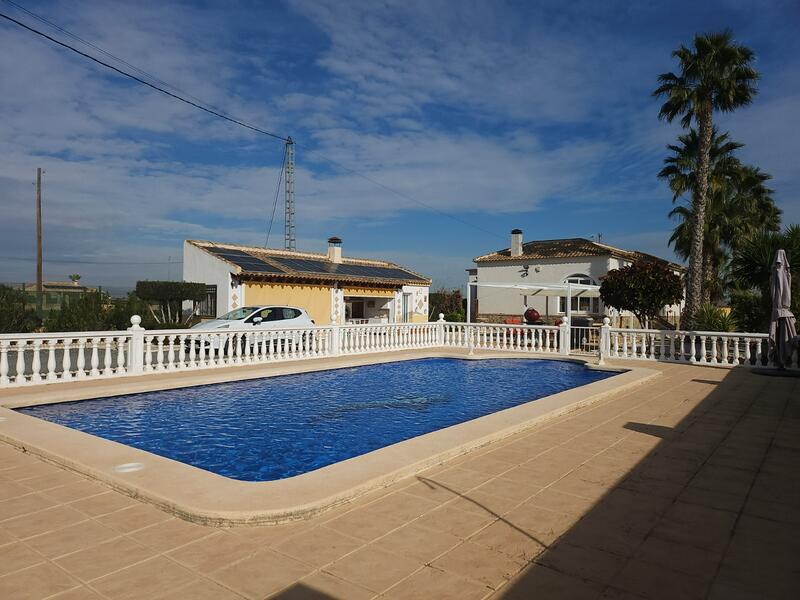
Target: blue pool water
266,429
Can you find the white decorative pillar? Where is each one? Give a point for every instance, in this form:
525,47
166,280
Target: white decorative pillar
136,347
605,341
564,341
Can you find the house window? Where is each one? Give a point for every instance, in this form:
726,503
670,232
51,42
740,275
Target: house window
579,304
208,306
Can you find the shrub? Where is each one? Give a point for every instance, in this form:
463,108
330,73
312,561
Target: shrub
169,296
713,318
14,316
751,310
86,312
455,317
643,288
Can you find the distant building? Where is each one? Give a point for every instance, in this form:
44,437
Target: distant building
54,293
575,260
331,287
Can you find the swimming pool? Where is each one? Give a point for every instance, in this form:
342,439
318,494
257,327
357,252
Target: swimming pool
278,427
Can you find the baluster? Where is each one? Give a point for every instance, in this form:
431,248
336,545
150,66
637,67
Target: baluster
51,360
4,379
634,351
80,363
747,356
120,355
170,339
94,360
20,365
36,362
725,350
192,339
107,364
693,348
180,340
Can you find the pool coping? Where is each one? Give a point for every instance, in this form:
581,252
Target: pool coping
204,497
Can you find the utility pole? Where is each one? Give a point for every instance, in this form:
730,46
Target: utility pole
39,286
289,241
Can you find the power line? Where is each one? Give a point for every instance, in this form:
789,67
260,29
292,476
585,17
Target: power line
217,112
90,262
277,193
143,82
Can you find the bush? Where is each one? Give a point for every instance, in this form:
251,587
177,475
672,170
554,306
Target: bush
455,317
86,312
713,318
751,310
447,302
14,317
169,295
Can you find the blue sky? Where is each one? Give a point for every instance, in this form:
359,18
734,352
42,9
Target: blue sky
534,115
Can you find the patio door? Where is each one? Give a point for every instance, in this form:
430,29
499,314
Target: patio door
406,308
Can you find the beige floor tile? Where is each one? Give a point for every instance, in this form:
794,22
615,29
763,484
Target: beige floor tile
553,499
543,524
75,491
49,519
510,540
506,488
489,465
16,556
481,502
261,575
71,539
78,593
35,583
458,522
657,582
102,559
400,506
52,480
434,583
148,579
373,568
24,505
214,552
318,546
428,489
365,527
168,535
584,563
264,536
679,557
202,589
479,563
103,504
29,470
417,542
12,489
135,517
322,586
537,581
459,480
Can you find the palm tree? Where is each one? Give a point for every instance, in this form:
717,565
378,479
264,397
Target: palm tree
751,265
739,205
715,74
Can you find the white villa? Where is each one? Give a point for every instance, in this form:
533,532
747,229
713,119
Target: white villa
334,289
549,262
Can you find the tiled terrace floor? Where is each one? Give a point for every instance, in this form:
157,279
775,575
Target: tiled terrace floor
685,487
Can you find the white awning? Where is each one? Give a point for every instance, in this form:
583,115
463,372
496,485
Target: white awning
548,289
566,290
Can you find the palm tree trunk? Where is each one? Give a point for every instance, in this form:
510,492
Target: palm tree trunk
708,277
695,287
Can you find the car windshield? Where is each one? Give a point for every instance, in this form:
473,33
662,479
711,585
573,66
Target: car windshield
238,314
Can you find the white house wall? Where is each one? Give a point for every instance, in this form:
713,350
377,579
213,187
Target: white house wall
511,302
201,267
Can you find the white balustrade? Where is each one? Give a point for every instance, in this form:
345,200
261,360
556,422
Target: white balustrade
700,347
59,357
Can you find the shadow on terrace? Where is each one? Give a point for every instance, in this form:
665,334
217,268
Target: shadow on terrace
712,510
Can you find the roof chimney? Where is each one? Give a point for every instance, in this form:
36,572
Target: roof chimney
516,242
335,250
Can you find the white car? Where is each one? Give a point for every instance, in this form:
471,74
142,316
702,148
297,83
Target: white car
257,318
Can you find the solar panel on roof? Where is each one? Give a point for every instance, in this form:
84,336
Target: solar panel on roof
246,261
302,265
